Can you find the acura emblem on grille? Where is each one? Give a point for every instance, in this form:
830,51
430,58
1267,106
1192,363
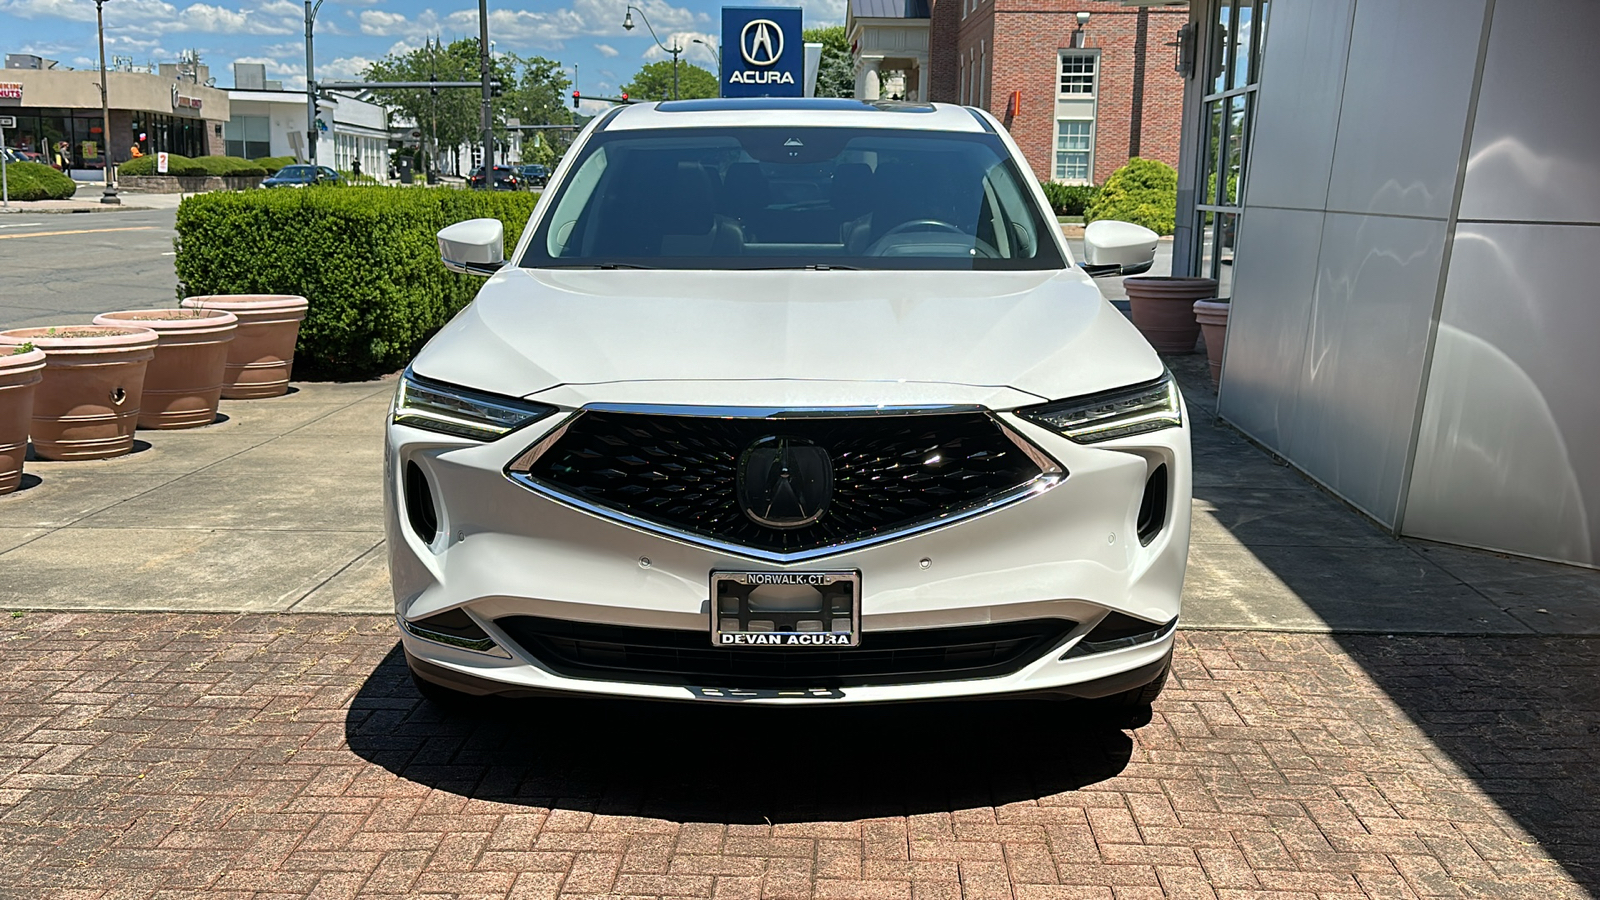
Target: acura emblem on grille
784,482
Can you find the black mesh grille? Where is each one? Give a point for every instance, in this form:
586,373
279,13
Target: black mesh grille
889,472
663,656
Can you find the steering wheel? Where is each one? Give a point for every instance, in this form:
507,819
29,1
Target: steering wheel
938,224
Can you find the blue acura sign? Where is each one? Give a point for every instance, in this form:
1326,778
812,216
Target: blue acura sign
763,53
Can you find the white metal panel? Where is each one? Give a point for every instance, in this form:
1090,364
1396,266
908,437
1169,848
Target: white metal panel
1535,141
1408,85
1272,289
1298,104
1506,455
1362,373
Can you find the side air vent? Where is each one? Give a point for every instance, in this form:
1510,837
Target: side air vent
1118,631
1153,508
453,627
420,511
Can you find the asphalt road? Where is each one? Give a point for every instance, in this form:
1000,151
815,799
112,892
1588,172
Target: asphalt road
64,269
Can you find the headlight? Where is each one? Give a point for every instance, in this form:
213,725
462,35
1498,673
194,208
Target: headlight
1138,409
466,413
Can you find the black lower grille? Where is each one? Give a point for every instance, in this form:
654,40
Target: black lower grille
664,656
689,474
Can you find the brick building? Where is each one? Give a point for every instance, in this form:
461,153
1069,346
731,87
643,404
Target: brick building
1081,84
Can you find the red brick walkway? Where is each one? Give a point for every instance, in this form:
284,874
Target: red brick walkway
156,755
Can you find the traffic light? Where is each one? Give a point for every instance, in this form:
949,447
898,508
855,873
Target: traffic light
624,96
574,99
495,88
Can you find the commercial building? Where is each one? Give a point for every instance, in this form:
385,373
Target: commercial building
273,123
1402,199
174,110
1082,85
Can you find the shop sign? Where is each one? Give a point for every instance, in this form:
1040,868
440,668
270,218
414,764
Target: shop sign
10,94
179,101
765,52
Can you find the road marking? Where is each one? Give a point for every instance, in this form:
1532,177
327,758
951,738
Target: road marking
21,225
7,237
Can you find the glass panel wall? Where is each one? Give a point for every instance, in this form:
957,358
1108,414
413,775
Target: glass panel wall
1233,64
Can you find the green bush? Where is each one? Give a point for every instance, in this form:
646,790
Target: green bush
273,163
1144,192
228,165
37,181
366,258
176,165
1068,199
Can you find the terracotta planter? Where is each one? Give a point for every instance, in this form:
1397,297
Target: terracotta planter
20,373
1163,309
184,381
88,403
1213,318
261,358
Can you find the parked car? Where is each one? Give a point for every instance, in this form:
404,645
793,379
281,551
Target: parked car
505,178
534,175
300,175
787,402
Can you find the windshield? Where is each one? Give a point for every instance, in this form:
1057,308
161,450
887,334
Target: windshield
296,173
753,198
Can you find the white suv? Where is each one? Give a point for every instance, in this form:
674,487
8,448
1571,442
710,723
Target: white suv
787,402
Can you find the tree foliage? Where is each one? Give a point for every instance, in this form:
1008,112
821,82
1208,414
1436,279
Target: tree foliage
835,75
653,81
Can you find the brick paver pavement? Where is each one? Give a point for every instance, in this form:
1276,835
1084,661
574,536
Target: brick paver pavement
266,756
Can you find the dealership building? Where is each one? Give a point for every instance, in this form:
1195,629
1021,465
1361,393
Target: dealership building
173,108
1402,200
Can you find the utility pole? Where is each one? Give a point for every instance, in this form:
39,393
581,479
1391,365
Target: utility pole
311,87
110,196
484,69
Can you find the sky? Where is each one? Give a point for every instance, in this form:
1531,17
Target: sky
350,34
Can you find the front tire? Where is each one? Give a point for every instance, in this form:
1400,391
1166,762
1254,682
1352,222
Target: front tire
1132,708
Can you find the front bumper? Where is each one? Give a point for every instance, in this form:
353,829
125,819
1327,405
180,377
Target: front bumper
1069,554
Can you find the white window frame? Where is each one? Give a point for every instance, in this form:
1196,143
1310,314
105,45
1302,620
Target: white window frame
1094,74
1056,151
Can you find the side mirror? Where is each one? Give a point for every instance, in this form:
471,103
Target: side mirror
1118,248
473,247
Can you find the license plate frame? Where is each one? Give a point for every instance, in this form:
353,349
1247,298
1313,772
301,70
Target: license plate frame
776,628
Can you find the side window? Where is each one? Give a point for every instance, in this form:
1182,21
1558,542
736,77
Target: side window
574,200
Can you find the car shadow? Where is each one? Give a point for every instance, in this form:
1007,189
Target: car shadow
686,762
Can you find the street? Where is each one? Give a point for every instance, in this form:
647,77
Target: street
66,269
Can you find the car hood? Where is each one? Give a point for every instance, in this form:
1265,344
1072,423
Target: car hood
781,337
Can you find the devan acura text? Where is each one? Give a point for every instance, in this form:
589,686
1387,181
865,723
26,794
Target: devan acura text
794,402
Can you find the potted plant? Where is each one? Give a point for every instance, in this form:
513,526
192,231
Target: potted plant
20,367
87,404
184,380
1212,314
1163,309
261,357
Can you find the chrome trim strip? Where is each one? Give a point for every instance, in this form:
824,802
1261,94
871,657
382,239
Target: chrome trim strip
481,645
1037,486
1087,648
778,412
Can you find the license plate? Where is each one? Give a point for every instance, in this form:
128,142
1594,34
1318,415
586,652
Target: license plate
762,610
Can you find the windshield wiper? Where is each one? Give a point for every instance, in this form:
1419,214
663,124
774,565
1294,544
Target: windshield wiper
607,265
809,267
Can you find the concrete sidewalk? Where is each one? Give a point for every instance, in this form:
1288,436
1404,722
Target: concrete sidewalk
278,508
87,200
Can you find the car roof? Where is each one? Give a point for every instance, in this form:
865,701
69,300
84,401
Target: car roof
795,111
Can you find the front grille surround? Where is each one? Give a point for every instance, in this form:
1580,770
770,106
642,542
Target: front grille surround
633,654
1000,467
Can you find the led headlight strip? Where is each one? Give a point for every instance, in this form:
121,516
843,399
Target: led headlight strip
1136,409
462,412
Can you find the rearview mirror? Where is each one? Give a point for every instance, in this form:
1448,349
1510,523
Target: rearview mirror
473,247
1118,248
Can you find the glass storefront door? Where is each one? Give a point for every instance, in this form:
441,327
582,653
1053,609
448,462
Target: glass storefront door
1233,37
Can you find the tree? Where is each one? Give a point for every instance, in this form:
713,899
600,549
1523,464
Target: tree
836,76
653,81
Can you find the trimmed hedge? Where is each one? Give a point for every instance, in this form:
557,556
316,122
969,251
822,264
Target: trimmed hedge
1144,192
176,165
37,181
366,257
228,165
271,164
1068,199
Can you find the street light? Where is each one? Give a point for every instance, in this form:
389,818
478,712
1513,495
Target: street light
714,51
110,196
627,25
311,87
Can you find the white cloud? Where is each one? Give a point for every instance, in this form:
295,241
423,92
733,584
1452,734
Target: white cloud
345,68
377,22
606,50
686,40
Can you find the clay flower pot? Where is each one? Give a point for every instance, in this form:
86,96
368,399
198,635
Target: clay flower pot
1163,309
184,381
88,403
19,375
1213,318
261,357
